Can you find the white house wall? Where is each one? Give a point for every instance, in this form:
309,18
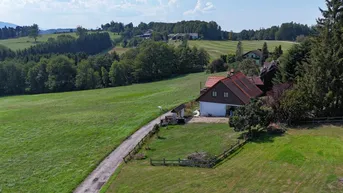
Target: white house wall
214,109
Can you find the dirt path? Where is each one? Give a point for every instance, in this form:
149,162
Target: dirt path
209,120
106,168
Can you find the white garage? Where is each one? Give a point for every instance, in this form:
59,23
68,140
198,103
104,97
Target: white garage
212,109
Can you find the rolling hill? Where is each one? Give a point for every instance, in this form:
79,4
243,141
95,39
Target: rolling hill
5,24
217,48
26,42
51,142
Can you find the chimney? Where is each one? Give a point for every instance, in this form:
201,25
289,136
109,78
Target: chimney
231,73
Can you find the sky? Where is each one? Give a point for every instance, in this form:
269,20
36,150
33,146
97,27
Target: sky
234,15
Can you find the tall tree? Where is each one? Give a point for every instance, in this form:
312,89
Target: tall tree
34,32
80,31
104,77
249,67
86,77
239,52
37,77
265,52
320,87
61,74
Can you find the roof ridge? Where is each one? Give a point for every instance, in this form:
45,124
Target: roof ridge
241,89
244,84
222,81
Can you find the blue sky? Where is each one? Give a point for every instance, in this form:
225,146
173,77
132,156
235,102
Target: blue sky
230,14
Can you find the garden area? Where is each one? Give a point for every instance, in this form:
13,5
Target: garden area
302,160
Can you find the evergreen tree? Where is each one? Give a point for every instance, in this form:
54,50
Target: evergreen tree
239,52
265,52
280,50
320,88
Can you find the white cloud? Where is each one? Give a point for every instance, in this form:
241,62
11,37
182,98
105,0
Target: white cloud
200,7
88,13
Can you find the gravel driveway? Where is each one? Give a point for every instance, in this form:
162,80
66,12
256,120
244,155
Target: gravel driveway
209,120
103,172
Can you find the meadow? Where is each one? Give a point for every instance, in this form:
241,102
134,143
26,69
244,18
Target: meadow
305,160
51,142
217,48
25,42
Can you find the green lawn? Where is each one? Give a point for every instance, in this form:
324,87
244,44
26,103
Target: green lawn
301,161
217,48
119,50
26,42
51,142
180,141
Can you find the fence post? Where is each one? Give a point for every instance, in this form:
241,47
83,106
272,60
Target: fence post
164,161
179,161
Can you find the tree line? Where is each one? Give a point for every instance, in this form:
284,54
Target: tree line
206,30
10,32
45,73
92,43
309,80
287,31
212,31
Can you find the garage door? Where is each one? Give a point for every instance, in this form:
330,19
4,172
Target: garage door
212,109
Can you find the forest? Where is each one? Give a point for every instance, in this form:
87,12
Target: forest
38,71
10,32
212,31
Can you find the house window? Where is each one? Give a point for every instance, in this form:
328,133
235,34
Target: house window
226,94
214,93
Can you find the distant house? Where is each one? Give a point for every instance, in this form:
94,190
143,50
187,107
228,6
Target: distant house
255,55
179,36
227,94
147,34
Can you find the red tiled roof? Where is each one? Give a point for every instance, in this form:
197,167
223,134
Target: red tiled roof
241,86
256,80
212,80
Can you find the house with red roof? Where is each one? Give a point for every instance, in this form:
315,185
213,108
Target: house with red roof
226,94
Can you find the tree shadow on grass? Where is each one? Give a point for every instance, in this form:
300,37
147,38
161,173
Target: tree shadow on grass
265,137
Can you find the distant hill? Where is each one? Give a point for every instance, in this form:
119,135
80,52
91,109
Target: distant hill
59,30
3,24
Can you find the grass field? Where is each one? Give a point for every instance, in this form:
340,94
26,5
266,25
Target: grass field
217,48
119,50
26,42
180,141
301,161
51,142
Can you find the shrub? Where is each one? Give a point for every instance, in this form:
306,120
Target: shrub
216,66
139,156
201,157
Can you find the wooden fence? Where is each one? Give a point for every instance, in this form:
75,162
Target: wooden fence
322,120
136,149
206,164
